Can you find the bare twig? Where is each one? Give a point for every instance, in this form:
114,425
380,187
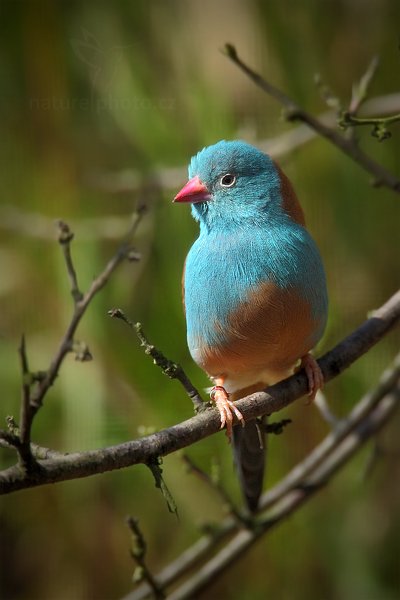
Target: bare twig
65,238
23,433
9,440
183,434
33,396
138,553
168,367
295,113
380,124
25,402
80,308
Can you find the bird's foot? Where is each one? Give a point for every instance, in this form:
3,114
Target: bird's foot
314,374
226,409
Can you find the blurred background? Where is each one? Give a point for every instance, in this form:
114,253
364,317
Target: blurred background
102,105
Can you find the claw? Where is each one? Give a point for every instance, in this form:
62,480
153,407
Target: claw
314,375
226,409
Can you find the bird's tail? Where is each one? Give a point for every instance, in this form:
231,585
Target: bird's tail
249,452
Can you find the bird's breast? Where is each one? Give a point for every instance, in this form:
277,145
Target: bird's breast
243,315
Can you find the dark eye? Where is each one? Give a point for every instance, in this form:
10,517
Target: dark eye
227,180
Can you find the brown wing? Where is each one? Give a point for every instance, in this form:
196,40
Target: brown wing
291,204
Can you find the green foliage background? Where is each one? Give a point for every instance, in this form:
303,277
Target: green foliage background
97,100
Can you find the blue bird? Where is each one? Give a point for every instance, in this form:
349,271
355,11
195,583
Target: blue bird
254,289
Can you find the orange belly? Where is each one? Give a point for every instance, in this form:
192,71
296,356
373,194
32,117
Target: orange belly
266,336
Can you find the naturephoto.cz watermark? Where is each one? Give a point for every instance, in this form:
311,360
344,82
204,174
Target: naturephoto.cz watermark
108,103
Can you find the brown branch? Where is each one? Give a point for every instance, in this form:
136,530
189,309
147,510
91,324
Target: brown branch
24,446
299,485
168,367
65,238
36,385
183,434
138,553
81,304
247,537
296,113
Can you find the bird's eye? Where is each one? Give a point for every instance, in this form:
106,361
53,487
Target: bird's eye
227,180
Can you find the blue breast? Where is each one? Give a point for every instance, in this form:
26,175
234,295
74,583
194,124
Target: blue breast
222,267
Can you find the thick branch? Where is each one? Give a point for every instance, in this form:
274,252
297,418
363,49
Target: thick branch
188,432
373,408
297,497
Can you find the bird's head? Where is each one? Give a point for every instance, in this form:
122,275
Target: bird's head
231,184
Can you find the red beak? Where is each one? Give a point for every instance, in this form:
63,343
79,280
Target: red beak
193,191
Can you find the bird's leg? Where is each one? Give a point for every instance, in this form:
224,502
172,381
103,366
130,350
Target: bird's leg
226,407
314,374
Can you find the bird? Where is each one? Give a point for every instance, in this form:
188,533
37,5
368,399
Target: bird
254,290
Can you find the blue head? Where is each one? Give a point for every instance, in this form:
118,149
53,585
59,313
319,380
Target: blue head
231,184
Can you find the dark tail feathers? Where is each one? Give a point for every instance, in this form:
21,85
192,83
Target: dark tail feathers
249,449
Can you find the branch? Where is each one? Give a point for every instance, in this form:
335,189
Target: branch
169,368
24,446
179,436
296,113
297,497
36,385
380,124
366,418
138,553
82,302
65,238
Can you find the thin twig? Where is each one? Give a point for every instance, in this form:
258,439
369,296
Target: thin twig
33,398
65,238
138,553
9,440
168,367
372,120
24,448
25,402
380,124
294,112
181,435
66,343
